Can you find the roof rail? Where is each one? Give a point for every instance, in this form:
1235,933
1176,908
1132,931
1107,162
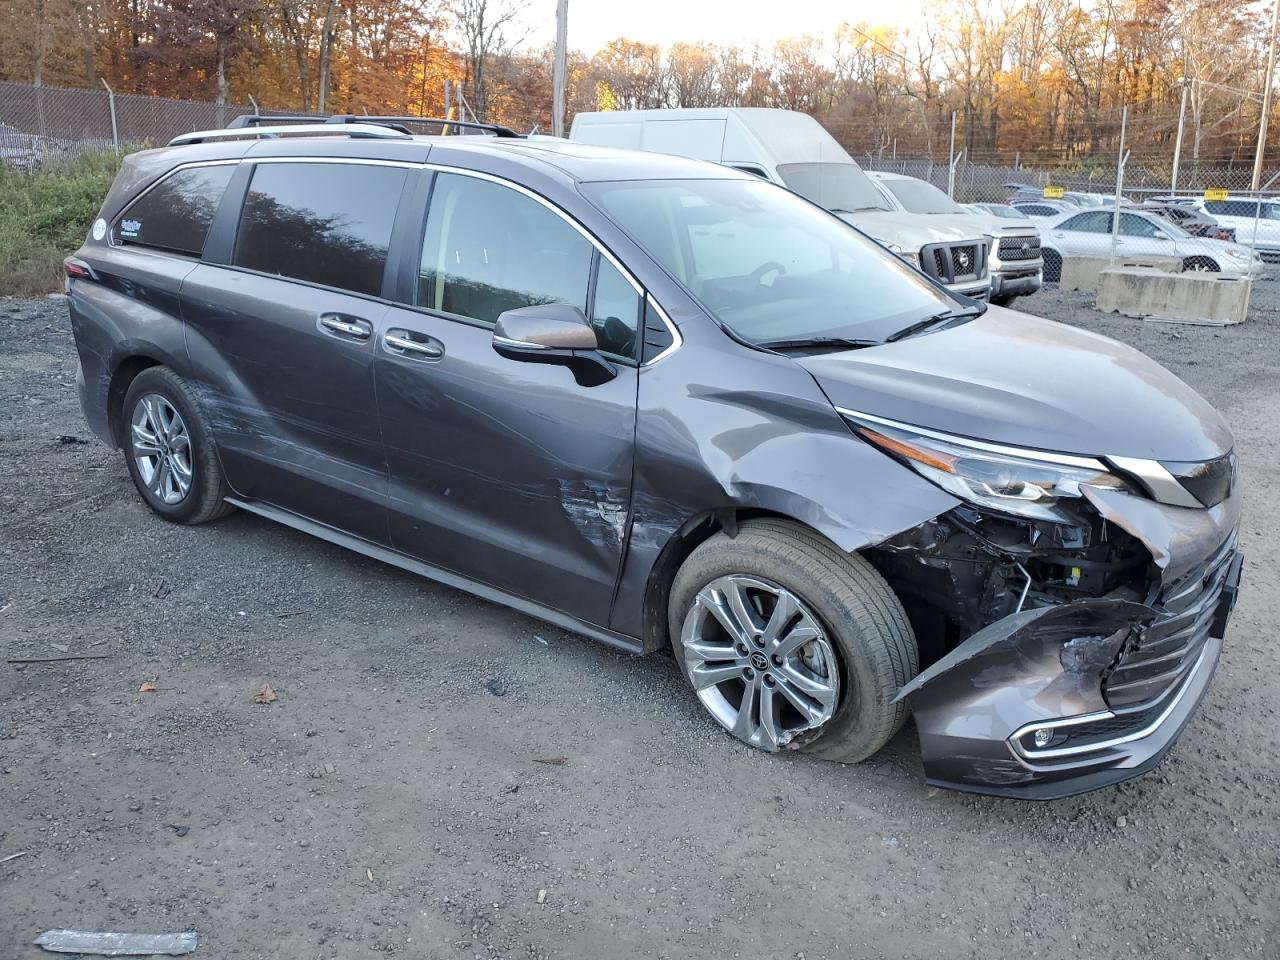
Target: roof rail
356,131
397,123
257,119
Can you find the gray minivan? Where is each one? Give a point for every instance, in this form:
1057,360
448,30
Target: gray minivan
671,406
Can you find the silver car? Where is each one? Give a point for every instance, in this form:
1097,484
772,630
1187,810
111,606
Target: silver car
1087,233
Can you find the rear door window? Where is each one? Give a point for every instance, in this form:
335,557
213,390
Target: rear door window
489,249
175,214
325,223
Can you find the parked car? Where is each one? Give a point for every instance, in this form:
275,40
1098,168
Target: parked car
794,150
1044,209
1014,259
1087,233
1190,218
667,405
1002,210
1247,218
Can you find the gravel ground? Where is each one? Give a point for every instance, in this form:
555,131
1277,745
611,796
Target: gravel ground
397,799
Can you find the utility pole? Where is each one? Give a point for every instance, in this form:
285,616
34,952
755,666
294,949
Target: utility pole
558,70
1177,144
951,156
1266,98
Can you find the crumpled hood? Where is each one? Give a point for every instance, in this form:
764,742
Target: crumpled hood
1010,378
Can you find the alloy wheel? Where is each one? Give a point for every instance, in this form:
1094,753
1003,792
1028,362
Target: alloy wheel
759,660
162,448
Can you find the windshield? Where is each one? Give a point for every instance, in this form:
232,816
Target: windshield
766,264
839,187
917,196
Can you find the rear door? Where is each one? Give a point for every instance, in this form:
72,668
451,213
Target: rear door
508,473
281,336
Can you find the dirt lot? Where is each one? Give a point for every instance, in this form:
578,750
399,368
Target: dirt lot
394,799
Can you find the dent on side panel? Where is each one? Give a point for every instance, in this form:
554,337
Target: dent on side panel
756,435
131,310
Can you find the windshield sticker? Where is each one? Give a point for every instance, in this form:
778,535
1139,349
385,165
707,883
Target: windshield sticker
130,228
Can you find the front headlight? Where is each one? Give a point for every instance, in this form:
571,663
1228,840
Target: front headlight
911,256
1028,483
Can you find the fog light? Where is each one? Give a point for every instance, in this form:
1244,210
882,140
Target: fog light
1042,737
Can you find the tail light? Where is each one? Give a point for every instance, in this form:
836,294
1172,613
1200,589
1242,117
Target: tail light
77,269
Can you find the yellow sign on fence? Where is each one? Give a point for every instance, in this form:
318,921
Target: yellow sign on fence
1215,193
1053,193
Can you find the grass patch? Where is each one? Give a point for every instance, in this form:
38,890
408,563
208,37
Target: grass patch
44,216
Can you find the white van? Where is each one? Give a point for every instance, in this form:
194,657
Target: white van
794,150
1014,261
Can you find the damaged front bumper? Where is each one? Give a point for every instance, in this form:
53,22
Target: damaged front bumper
1063,698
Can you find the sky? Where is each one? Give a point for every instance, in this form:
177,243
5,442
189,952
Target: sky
592,23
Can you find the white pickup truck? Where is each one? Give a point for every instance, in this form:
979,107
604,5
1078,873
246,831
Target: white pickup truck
1014,260
794,150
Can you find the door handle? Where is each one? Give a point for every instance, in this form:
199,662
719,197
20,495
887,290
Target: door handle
352,327
397,342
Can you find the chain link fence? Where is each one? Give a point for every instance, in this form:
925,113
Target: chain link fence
40,124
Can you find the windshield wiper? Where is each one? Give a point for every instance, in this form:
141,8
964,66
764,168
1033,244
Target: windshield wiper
818,343
945,316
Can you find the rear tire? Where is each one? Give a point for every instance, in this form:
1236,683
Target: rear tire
169,450
853,612
1052,266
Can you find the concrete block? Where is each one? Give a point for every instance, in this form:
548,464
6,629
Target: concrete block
1081,273
1152,294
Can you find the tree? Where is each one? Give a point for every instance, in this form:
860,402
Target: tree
487,30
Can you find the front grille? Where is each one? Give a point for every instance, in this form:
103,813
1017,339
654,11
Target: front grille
955,262
1169,648
1019,248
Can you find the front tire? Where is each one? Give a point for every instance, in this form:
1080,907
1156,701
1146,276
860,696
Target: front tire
1200,264
790,642
168,448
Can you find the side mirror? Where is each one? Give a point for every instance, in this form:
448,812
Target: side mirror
1160,235
553,333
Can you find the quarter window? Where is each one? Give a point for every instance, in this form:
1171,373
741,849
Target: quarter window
615,311
489,249
326,223
175,214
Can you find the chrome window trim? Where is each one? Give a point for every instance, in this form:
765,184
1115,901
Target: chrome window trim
1159,482
1062,459
1032,756
676,339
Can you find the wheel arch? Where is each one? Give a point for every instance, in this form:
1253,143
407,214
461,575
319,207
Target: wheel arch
691,534
122,375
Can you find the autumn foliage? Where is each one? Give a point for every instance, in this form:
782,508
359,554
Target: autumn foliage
1037,81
